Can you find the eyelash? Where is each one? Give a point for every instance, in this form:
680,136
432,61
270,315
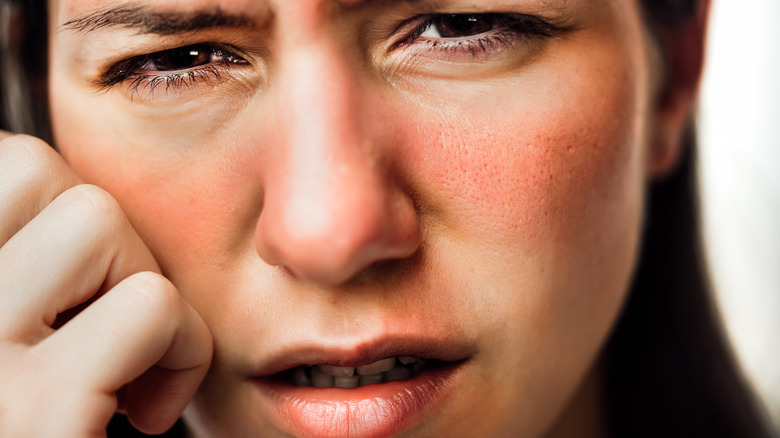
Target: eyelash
178,80
128,71
506,29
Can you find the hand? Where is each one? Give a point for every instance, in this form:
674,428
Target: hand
64,244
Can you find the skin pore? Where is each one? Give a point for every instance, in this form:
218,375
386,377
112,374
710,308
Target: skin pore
342,174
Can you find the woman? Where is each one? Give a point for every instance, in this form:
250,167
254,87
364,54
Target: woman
418,218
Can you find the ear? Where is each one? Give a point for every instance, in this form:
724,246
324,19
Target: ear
682,48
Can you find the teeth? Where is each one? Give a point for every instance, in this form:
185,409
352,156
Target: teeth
371,379
398,373
385,370
345,382
418,367
377,367
300,378
320,379
337,371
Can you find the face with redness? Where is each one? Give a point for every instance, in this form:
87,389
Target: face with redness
333,184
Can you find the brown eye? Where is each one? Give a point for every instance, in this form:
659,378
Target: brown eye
459,25
174,67
183,58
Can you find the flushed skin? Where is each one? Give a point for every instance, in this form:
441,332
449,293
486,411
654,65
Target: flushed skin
336,191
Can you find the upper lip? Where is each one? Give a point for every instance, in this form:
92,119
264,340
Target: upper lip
353,354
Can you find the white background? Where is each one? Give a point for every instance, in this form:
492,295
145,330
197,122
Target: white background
740,174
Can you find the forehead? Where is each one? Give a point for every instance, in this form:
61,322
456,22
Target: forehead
68,9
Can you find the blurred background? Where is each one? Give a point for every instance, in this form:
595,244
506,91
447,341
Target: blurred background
740,175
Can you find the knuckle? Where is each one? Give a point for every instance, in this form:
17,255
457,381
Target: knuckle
99,207
29,158
156,292
25,142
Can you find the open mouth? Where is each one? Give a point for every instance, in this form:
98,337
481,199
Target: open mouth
377,390
377,386
382,371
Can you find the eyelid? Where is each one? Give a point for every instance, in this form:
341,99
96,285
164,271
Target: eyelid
139,85
151,82
506,31
124,69
509,46
522,24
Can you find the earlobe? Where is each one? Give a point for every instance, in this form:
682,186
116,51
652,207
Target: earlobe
682,47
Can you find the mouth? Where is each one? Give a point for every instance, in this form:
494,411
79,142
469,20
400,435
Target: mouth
366,392
392,369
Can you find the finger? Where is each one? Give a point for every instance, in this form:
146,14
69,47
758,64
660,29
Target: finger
155,400
32,174
61,258
140,323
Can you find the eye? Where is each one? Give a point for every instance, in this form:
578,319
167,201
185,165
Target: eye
470,45
182,58
459,25
482,34
179,67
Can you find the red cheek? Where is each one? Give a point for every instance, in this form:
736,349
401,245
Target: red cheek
512,179
539,175
185,211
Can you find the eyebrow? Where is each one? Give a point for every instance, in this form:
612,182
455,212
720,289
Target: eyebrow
147,21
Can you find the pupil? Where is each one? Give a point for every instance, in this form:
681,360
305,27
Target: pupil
461,25
183,58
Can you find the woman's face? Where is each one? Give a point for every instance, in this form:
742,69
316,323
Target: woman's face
340,182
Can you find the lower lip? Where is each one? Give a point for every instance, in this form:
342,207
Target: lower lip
370,411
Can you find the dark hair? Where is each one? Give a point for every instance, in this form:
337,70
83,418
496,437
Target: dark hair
23,67
669,370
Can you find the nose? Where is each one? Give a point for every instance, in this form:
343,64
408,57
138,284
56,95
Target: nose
331,205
